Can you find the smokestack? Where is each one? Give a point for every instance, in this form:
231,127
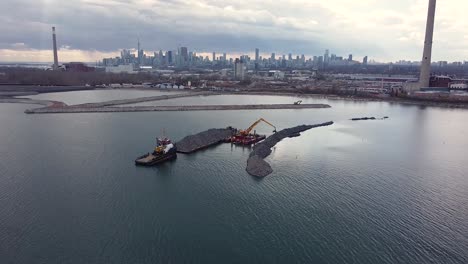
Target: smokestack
426,60
54,41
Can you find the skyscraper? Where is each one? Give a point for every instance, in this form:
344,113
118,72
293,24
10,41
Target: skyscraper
326,57
139,53
257,55
364,60
170,58
427,53
184,54
214,56
350,57
239,71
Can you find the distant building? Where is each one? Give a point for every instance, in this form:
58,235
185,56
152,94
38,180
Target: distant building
320,61
459,86
326,57
276,74
364,60
257,55
239,70
121,69
350,57
184,54
170,57
77,67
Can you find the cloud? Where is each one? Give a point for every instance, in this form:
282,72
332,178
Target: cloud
385,30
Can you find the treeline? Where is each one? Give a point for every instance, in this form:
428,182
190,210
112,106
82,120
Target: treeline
29,76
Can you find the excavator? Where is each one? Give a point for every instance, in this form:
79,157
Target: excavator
244,137
248,130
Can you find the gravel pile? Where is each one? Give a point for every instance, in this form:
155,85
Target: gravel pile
368,118
203,139
256,166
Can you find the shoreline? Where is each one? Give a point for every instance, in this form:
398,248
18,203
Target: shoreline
392,100
181,108
9,95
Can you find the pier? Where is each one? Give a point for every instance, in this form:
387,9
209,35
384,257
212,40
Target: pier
87,109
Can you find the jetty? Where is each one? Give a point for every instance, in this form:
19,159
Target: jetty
256,165
85,109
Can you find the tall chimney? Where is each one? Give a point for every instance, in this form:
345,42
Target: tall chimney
54,40
426,60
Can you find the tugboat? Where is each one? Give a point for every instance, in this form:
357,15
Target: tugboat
165,150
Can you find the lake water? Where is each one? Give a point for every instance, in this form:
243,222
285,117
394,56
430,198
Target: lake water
384,191
96,96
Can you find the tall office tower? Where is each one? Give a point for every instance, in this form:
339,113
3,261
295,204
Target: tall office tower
239,71
326,57
427,53
364,60
184,54
54,43
170,57
320,61
289,57
350,57
273,56
139,53
257,55
214,56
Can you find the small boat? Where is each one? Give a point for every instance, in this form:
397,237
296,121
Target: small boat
165,150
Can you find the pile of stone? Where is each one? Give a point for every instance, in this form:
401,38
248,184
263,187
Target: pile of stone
367,118
256,166
204,139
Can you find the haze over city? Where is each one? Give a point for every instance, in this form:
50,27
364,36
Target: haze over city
91,30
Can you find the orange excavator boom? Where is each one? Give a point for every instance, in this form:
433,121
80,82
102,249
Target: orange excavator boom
248,130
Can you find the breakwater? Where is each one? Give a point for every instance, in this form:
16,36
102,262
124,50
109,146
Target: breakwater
76,109
258,167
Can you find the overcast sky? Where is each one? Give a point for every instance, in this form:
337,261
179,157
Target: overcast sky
386,30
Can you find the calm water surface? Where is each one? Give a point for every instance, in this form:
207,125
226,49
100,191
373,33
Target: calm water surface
393,191
95,96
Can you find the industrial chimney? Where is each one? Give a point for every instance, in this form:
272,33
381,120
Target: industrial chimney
54,40
426,60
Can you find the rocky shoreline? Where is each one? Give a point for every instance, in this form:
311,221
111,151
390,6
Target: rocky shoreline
256,165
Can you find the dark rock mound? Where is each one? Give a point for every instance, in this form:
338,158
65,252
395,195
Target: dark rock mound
203,139
256,166
263,149
368,118
362,118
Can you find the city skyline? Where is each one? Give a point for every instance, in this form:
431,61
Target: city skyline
384,32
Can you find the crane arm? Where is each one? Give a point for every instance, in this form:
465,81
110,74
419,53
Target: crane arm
247,131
